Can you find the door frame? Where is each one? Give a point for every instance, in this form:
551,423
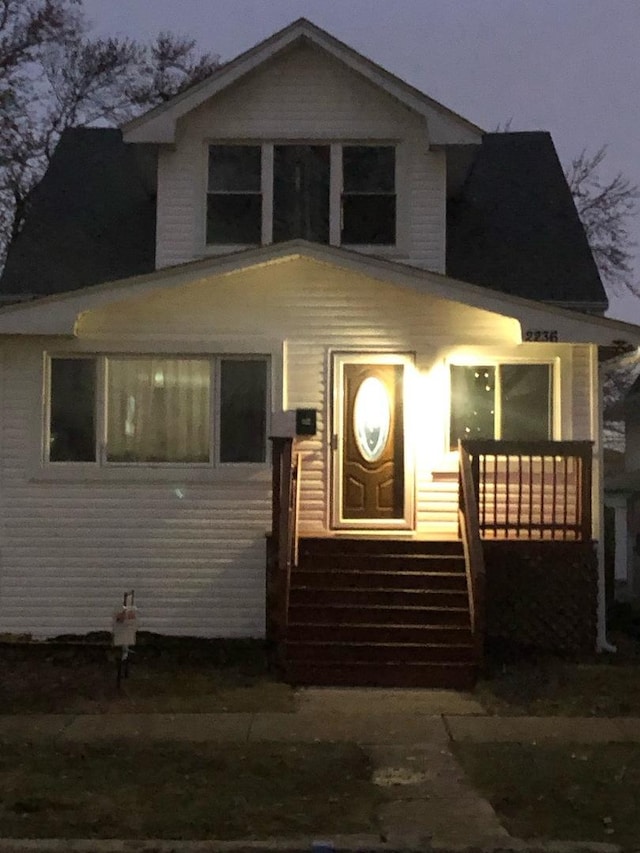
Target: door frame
337,362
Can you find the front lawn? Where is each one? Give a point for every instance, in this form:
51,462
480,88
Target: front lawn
597,685
570,791
170,790
165,675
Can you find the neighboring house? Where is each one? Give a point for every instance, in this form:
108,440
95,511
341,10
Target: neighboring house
304,245
622,497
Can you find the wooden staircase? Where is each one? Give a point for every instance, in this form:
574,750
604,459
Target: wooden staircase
379,612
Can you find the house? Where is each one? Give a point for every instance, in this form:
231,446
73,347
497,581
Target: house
622,496
306,354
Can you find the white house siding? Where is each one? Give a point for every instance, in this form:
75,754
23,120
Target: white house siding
303,95
194,551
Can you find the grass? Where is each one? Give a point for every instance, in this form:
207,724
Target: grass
170,790
165,675
571,792
605,685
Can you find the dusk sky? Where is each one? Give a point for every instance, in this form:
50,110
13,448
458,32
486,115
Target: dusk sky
568,66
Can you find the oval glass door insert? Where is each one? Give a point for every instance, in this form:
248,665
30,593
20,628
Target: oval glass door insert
371,418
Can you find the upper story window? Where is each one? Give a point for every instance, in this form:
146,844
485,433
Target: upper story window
368,195
338,194
503,401
301,189
234,194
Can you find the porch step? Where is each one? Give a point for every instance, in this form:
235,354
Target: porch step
392,547
426,635
379,611
380,562
342,614
454,676
400,653
375,596
351,578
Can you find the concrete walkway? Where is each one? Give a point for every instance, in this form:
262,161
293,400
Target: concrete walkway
407,733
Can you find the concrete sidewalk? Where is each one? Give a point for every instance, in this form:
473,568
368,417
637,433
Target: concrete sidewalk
429,804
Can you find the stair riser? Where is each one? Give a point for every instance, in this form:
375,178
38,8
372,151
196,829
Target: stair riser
445,676
333,579
378,634
372,598
328,654
380,563
380,612
377,616
341,545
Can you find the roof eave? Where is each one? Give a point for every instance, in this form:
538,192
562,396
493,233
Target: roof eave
39,317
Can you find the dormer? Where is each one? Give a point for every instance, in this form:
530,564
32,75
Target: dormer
302,137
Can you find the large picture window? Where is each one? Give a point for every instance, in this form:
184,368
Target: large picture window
507,401
323,193
150,410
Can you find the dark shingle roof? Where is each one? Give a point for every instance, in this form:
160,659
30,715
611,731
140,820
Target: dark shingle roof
92,218
512,224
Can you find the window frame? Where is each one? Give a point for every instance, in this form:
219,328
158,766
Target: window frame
235,193
336,191
360,194
101,463
555,413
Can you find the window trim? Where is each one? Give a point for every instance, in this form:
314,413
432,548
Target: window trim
335,191
102,464
552,361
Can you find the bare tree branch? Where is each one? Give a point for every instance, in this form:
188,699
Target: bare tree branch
606,208
54,75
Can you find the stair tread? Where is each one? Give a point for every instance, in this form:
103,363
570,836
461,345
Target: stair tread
382,573
411,589
409,607
293,624
336,666
373,644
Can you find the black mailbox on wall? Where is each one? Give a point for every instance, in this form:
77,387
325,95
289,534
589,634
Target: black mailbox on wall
306,421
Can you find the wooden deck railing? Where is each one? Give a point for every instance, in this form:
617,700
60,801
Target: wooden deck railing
473,556
532,489
284,534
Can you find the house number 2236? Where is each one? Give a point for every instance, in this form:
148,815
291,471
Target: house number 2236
550,335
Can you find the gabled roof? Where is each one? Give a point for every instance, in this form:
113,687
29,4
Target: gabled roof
92,217
513,225
93,220
59,314
159,124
